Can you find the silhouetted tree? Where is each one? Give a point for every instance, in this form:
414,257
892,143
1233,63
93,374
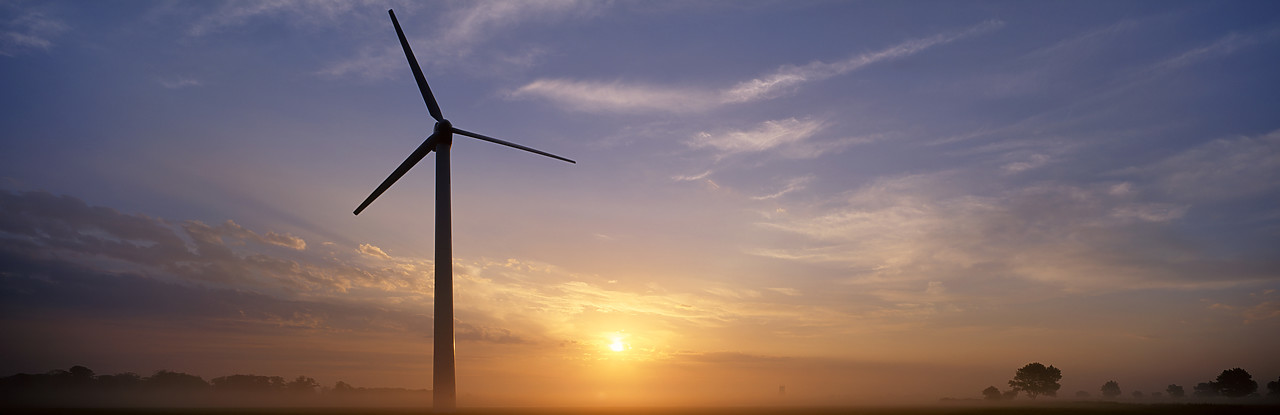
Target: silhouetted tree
17,384
1082,394
248,383
303,385
1137,394
127,380
67,381
1010,394
1273,388
167,380
1207,389
1111,389
81,373
79,387
74,380
991,393
343,387
1036,379
1236,383
1175,391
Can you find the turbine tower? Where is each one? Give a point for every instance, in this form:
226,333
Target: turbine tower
445,389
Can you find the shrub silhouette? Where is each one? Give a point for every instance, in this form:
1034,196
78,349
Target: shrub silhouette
1207,390
991,393
1111,389
1175,391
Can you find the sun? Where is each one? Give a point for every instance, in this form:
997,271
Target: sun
616,342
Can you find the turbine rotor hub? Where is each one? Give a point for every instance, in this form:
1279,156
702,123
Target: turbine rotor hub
444,126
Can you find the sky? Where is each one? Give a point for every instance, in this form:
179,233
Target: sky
864,202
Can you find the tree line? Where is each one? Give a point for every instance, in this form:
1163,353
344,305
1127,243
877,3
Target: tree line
79,386
1036,379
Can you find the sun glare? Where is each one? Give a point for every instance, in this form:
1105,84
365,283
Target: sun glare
617,346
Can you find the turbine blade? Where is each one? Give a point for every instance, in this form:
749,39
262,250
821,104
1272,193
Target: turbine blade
432,106
417,155
510,144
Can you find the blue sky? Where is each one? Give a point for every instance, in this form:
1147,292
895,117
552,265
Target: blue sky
822,194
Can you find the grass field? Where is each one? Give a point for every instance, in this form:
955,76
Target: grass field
1064,409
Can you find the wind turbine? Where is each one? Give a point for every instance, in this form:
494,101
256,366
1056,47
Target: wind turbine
445,388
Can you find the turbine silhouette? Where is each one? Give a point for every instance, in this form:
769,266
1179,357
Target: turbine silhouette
444,396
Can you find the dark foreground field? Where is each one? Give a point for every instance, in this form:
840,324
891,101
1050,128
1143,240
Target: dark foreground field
1065,409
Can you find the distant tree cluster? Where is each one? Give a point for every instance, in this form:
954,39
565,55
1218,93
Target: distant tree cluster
79,386
1036,379
1231,383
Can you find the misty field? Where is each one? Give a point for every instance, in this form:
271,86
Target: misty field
1066,409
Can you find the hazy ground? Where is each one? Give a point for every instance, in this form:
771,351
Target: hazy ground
1065,409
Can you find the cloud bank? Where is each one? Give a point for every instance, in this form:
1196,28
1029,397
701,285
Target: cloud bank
1095,237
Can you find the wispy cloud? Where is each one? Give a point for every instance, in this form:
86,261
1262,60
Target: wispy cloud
372,251
767,135
232,14
369,63
789,138
27,29
1150,212
1267,307
770,85
691,177
179,82
792,185
458,31
1220,169
270,238
589,96
1032,162
595,96
480,20
1059,68
791,292
1087,42
1224,46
